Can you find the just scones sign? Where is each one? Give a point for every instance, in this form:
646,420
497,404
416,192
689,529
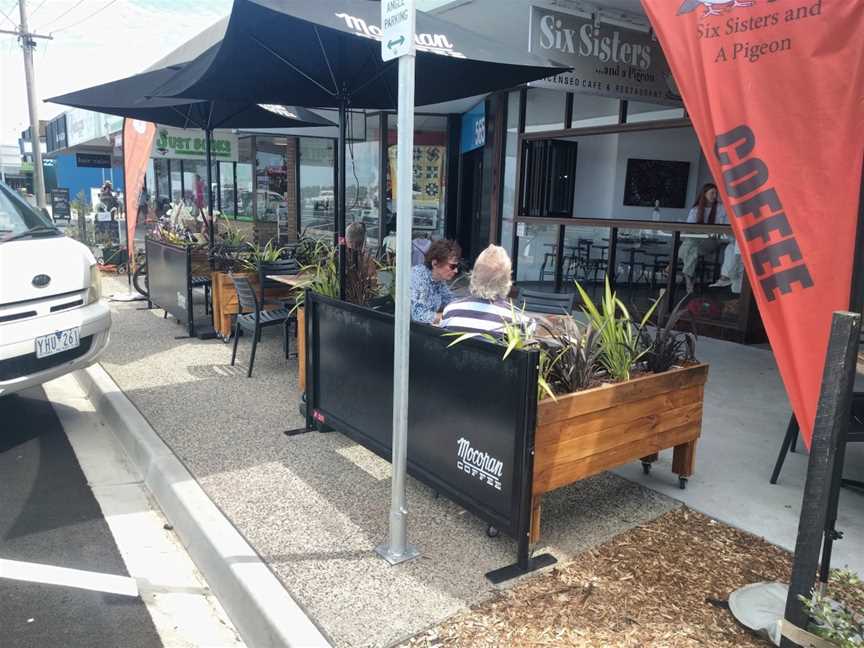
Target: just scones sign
398,20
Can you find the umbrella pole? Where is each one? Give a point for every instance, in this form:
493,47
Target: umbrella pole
209,174
339,234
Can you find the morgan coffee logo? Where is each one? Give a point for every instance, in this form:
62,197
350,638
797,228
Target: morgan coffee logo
479,464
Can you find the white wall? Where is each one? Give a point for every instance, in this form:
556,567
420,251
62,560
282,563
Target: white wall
601,171
678,144
595,179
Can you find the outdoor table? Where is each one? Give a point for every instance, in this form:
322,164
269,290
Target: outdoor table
293,280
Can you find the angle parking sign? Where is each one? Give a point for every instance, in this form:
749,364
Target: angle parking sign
397,28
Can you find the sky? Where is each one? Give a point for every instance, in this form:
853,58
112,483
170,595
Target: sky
95,42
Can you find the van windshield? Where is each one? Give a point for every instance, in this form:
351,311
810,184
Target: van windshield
17,217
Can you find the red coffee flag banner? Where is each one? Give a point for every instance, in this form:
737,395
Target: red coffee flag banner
137,145
775,91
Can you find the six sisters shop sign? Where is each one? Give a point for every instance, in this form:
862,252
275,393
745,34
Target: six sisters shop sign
607,60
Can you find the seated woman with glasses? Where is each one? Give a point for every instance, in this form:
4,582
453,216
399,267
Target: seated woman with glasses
429,290
487,308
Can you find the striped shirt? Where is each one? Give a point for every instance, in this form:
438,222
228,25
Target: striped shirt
474,314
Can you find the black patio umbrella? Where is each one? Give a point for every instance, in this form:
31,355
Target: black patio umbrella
327,53
128,97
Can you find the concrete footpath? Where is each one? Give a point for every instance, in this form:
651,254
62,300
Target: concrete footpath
313,507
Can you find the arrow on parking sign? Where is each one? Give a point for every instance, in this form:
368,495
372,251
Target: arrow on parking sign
398,41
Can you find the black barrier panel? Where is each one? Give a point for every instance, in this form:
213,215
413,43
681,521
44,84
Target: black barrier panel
168,268
471,414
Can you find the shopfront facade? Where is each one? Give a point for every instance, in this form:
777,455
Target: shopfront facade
593,173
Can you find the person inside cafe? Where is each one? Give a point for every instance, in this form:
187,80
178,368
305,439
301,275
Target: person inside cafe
707,210
355,236
430,291
487,308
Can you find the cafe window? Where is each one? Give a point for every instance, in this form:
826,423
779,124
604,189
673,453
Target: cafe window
648,175
176,174
429,183
510,157
589,110
162,178
550,171
227,192
317,198
544,110
272,177
362,199
638,111
195,183
243,175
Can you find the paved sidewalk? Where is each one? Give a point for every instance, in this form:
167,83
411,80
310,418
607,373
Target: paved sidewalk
316,505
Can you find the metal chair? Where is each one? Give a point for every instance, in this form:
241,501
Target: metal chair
543,302
282,267
256,320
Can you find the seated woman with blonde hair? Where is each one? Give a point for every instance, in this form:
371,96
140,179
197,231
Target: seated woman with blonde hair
487,308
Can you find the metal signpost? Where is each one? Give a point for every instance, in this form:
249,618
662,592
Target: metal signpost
398,20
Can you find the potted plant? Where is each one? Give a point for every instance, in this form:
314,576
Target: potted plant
242,258
603,399
837,614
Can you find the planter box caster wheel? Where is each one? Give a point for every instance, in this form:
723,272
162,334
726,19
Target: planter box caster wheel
492,531
682,483
646,467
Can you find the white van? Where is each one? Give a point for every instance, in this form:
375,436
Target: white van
51,318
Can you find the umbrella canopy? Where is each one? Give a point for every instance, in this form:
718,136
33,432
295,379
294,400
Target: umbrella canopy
128,98
326,53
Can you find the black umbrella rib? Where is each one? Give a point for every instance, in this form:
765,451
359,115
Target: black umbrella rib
326,58
210,116
185,115
281,58
383,70
229,117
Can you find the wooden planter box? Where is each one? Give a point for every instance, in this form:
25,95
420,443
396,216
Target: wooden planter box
588,432
225,304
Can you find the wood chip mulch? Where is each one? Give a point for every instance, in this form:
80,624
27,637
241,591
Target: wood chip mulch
649,586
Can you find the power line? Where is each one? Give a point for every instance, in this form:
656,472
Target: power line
75,24
67,12
41,4
6,15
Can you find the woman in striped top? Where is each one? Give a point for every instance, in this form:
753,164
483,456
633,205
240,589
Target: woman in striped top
487,308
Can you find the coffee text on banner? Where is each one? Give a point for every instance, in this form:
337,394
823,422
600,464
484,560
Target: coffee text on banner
774,91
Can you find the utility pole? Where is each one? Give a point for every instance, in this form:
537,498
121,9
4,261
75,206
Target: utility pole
28,43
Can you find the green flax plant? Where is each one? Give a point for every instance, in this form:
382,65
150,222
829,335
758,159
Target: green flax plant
321,272
620,344
259,254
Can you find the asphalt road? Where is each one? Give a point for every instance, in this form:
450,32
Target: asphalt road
48,515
